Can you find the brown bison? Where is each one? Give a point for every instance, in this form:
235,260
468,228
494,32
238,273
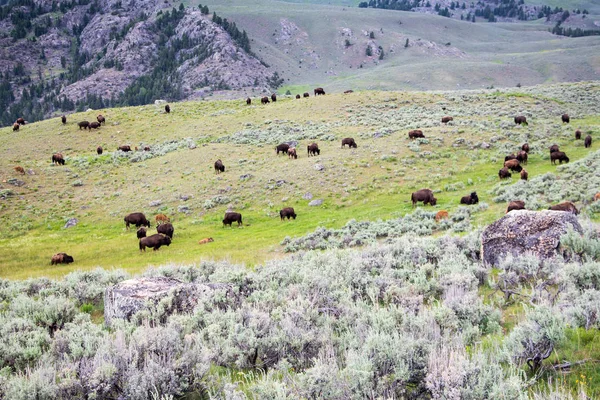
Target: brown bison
287,212
524,175
21,121
560,156
348,91
283,148
447,119
124,148
273,97
440,215
219,167
138,219
513,165
515,205
577,134
319,91
424,195
248,101
141,233
565,118
206,240
525,147
512,156
166,229
565,206
16,127
522,157
306,94
470,199
554,148
19,169
521,120
83,124
313,149
61,258
57,158
297,96
264,100
99,150
231,217
63,119
146,148
94,125
161,218
101,119
167,109
154,241
588,141
349,141
416,133
292,153
504,174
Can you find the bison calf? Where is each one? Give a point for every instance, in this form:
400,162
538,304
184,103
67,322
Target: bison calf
287,212
424,195
440,215
206,240
292,153
154,241
20,169
231,217
161,218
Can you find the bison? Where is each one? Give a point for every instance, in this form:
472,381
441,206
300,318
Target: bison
124,148
141,233
273,97
350,142
597,196
166,229
416,133
306,94
19,169
565,118
21,121
63,119
231,217
447,119
283,148
137,218
167,109
522,157
83,124
504,174
94,125
577,134
248,101
297,96
470,199
513,165
588,141
440,215
264,100
319,91
16,127
101,119
61,258
292,153
560,156
287,212
206,240
313,149
348,91
57,158
520,119
515,205
424,195
566,206
99,150
154,241
510,157
553,148
146,148
524,175
219,167
525,147
161,218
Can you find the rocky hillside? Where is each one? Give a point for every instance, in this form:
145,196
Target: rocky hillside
58,57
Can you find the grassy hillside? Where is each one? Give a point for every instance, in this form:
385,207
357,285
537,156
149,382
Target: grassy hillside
177,177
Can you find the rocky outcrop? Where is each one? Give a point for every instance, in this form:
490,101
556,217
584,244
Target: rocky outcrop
522,231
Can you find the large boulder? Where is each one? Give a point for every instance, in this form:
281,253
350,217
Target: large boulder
522,231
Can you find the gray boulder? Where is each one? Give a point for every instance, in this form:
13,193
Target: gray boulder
316,202
522,231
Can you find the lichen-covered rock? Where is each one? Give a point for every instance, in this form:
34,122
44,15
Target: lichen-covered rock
523,231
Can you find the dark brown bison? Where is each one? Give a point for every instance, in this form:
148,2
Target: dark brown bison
138,219
565,118
57,158
141,233
124,148
283,148
525,147
349,141
94,125
513,165
101,119
99,150
470,199
554,148
515,205
292,153
146,148
565,206
21,121
297,96
522,157
588,141
287,212
63,119
231,217
166,229
306,94
167,109
504,174
560,156
273,97
264,100
348,91
524,175
520,119
61,258
424,195
313,149
16,127
161,219
416,133
248,101
219,167
319,91
447,119
83,124
206,240
577,134
154,241
19,169
512,156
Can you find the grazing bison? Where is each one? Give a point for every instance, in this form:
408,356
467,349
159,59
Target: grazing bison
99,150
348,91
560,156
248,101
264,100
283,148
231,217
577,134
525,147
522,157
515,205
287,212
565,206
219,167
588,141
553,148
21,121
565,118
273,97
313,149
206,240
94,125
504,174
292,153
513,165
154,241
440,215
124,148
521,120
424,195
138,219
510,157
161,218
524,175
83,124
319,91
306,94
57,158
141,233
470,199
349,141
416,133
61,258
447,119
166,229
19,169
63,119
101,119
16,127
167,109
297,96
146,148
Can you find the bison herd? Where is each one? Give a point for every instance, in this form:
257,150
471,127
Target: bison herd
266,100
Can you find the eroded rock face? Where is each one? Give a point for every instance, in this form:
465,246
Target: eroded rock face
523,231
